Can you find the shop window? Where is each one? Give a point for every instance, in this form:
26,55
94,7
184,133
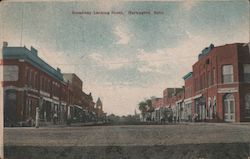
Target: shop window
227,73
247,105
246,68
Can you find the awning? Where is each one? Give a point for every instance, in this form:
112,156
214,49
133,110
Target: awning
63,103
179,101
77,106
47,99
157,108
188,100
197,96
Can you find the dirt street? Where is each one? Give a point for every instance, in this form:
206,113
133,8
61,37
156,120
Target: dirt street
192,140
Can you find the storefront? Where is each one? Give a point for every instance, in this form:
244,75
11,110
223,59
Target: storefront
10,110
187,110
200,107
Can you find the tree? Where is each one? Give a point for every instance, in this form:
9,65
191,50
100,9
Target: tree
143,108
149,105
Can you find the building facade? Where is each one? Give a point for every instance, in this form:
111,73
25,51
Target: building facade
156,104
30,83
217,89
221,83
101,116
188,102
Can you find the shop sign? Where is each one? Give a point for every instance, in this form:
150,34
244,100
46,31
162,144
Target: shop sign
10,73
228,90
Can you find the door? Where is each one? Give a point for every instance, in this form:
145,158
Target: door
229,108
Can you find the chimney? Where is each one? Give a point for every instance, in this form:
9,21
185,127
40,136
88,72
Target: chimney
33,51
5,44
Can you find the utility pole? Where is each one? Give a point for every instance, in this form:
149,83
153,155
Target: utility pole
1,117
21,39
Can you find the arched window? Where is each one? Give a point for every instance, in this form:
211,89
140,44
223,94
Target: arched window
214,107
247,105
210,108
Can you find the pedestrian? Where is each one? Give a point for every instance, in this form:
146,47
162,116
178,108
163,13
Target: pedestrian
55,118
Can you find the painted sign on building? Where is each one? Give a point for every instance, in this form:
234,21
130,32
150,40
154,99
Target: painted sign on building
228,90
10,73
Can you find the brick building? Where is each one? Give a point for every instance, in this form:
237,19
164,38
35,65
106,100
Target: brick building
156,104
173,100
188,94
169,96
30,83
217,89
221,83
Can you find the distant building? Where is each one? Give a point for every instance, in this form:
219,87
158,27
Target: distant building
99,110
156,104
169,96
188,94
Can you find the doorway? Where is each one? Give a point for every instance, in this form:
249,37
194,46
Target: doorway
229,108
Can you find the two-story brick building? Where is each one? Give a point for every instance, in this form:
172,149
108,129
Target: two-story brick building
217,89
221,87
30,83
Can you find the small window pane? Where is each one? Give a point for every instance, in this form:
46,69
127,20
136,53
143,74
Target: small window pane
227,73
246,68
227,69
247,101
226,107
231,106
246,72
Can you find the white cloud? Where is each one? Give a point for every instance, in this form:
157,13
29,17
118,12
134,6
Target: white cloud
108,5
189,4
122,32
110,63
151,61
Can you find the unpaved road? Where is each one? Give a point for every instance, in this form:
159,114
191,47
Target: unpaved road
192,140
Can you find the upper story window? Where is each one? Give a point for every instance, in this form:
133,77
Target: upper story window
30,78
213,76
247,105
227,74
209,80
246,68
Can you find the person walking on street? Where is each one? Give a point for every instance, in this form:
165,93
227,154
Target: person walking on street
55,118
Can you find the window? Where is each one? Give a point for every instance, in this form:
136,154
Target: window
247,105
41,83
227,73
26,73
30,78
213,76
209,78
246,68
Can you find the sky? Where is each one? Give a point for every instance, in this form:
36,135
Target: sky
124,58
